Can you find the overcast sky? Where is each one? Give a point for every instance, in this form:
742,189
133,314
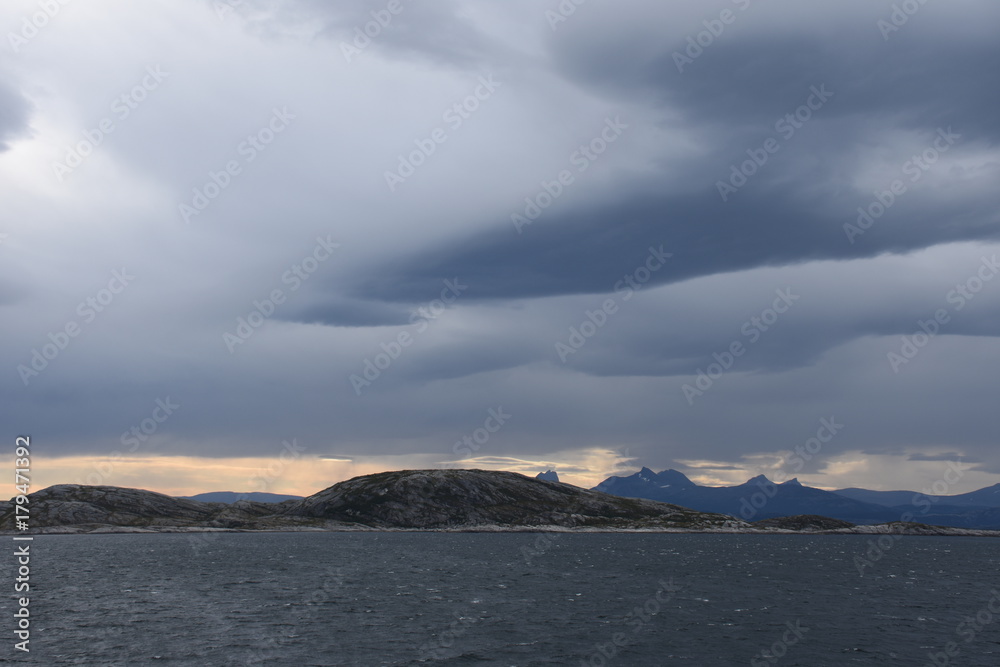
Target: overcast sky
338,238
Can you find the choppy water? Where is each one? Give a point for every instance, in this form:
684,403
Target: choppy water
505,599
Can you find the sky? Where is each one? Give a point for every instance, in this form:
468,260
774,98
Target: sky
271,245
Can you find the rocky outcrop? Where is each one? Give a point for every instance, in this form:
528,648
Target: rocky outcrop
804,522
912,528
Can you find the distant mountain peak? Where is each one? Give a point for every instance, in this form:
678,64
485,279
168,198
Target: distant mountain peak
548,475
674,478
759,479
794,481
663,479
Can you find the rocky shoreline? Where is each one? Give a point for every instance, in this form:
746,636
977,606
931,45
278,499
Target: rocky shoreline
880,529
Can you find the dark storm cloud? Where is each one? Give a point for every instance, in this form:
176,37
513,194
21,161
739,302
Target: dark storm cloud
667,335
740,83
673,343
590,250
493,347
793,210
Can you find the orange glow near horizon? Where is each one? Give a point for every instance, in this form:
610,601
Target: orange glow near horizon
295,475
191,475
306,475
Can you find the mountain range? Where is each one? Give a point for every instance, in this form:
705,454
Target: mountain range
759,498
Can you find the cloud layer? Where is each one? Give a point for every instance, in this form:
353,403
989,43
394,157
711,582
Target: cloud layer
667,234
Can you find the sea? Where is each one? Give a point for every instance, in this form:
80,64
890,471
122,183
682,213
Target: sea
426,598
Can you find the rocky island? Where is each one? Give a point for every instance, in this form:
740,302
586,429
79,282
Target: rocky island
442,500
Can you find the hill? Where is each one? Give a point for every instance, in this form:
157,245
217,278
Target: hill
986,497
408,499
449,498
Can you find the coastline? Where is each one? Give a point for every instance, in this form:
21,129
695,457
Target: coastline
917,530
